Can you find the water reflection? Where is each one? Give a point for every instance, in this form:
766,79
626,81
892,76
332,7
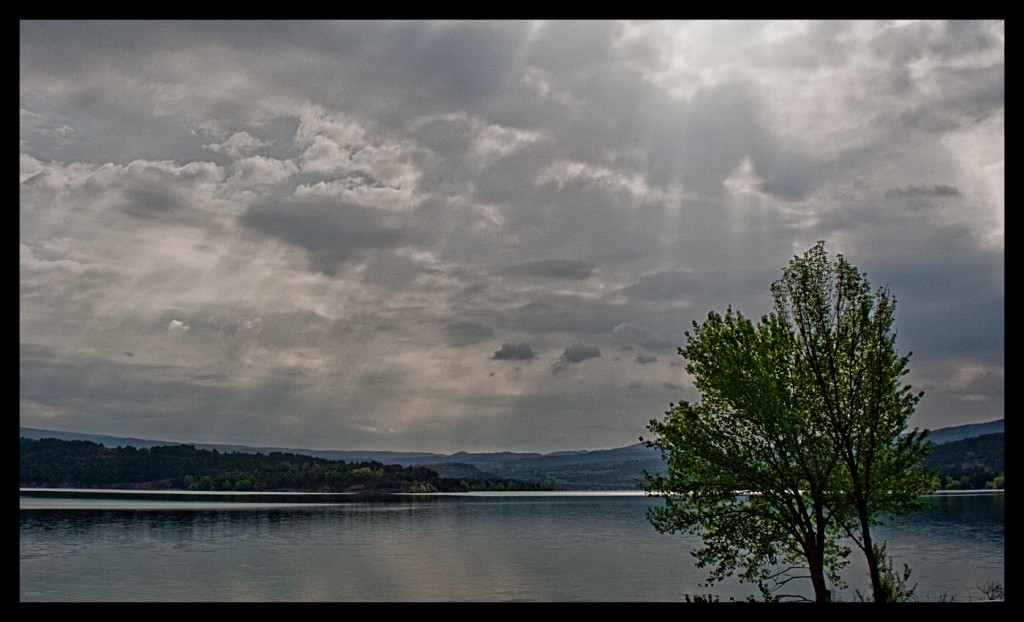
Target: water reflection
438,548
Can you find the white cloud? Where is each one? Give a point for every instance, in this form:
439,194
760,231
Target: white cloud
258,172
371,252
238,145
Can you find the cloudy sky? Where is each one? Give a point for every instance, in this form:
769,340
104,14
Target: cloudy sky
484,236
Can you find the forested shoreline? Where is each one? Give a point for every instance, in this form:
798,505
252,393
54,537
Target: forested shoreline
971,463
54,463
974,463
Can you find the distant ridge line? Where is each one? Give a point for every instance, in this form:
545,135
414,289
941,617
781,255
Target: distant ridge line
623,468
937,435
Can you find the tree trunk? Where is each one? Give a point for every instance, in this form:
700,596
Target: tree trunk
821,591
815,554
878,592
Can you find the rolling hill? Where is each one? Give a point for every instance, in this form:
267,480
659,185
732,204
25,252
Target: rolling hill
604,469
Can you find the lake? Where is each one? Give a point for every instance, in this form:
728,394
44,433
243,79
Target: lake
474,547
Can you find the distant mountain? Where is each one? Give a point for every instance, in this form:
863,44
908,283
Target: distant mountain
969,462
56,463
960,432
602,469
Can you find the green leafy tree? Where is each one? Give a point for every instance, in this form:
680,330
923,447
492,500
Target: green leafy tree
846,347
953,483
998,483
799,435
744,470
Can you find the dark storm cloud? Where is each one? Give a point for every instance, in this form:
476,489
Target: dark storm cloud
579,352
644,359
975,93
670,285
971,280
468,60
553,268
947,39
331,233
564,312
82,42
463,333
514,352
788,175
967,97
156,201
446,135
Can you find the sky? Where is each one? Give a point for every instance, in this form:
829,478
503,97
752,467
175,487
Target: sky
484,235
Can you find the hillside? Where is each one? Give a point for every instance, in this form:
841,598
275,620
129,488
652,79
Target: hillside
969,463
607,469
54,463
945,435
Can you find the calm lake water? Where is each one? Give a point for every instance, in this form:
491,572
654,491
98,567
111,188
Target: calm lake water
547,547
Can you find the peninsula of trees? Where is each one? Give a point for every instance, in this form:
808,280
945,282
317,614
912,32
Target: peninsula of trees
53,463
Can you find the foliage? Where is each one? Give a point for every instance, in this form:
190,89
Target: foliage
800,436
83,464
893,583
847,346
745,470
953,483
970,463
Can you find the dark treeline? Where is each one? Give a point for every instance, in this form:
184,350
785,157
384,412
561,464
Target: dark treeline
971,463
53,463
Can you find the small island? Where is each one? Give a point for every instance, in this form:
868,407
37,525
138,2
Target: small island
54,463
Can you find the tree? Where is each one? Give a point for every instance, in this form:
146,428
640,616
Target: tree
846,346
798,437
745,469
